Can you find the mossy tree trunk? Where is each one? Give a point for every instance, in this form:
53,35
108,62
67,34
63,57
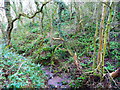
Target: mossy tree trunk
107,30
95,39
103,36
100,61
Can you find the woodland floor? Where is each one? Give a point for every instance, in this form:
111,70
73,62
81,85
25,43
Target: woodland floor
58,78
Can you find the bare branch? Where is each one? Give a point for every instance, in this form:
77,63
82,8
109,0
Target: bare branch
2,7
25,15
10,24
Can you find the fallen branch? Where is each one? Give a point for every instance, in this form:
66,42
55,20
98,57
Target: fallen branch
58,39
114,75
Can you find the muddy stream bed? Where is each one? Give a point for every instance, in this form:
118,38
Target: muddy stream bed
59,80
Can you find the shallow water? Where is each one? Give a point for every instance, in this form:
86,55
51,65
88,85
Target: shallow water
55,80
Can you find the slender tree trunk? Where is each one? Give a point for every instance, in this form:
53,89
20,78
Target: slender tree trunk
51,27
95,39
100,61
107,30
76,5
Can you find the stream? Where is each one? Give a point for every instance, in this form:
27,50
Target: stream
61,80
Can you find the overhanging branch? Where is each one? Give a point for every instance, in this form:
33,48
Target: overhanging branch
10,26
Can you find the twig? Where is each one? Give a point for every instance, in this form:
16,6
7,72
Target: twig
19,68
9,69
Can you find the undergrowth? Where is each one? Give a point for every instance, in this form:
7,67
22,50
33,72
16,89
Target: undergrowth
41,49
18,72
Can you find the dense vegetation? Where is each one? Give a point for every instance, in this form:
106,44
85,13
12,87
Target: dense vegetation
77,41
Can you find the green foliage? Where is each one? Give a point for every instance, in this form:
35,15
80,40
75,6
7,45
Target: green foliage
36,46
60,54
47,53
33,39
78,82
81,44
118,16
83,64
35,30
19,72
43,53
114,51
110,67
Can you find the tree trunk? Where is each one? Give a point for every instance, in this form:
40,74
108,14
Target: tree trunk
9,19
100,61
107,30
95,37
